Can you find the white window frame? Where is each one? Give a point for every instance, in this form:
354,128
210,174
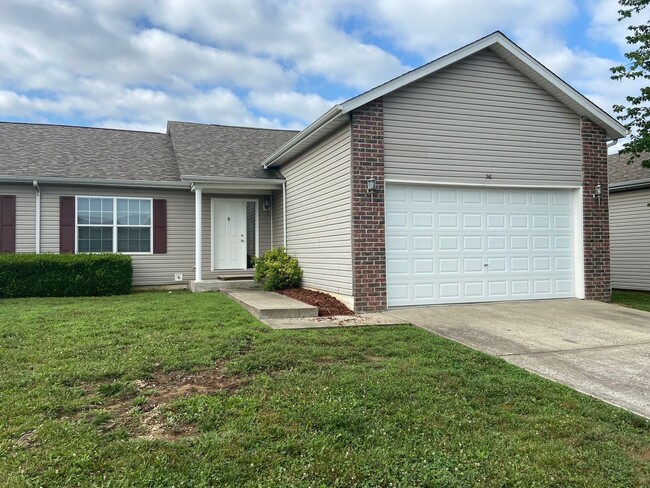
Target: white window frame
114,225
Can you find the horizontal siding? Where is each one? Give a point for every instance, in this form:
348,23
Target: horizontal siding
629,239
319,216
480,116
278,218
25,215
154,269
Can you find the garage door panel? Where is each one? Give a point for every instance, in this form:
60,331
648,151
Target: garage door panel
456,245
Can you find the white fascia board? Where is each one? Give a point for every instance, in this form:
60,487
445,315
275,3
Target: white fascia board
95,182
306,137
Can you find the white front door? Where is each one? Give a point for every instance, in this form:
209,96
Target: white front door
459,245
229,234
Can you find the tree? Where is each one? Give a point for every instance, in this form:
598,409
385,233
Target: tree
636,115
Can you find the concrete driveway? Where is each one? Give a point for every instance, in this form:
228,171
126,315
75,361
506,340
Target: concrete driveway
597,348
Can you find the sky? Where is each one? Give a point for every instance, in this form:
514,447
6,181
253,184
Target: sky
135,64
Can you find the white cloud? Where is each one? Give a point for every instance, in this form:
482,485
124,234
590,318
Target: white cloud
303,107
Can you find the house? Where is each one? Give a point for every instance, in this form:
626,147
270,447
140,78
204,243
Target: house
471,178
629,221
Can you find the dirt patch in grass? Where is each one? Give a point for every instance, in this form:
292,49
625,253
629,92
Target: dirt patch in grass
140,406
327,304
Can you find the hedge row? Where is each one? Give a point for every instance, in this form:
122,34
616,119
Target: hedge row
64,275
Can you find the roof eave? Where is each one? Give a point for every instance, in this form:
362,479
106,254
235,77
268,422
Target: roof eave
305,138
55,180
629,185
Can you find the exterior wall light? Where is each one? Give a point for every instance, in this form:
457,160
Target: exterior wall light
598,193
372,184
266,205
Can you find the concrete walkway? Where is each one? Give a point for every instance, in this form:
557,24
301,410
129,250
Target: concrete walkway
600,349
269,305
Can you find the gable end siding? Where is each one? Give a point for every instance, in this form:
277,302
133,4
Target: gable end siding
319,213
480,116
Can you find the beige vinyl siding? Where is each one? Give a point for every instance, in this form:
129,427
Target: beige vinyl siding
151,269
629,232
25,214
278,218
264,228
319,213
480,116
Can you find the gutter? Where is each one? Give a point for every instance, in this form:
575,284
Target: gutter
629,185
228,179
95,182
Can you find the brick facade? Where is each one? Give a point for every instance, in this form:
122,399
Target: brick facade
368,229
595,214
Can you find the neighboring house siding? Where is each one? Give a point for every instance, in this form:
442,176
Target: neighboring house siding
629,238
264,228
480,116
25,215
319,230
154,269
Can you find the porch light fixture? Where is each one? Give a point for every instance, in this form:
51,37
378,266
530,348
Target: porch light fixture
598,193
266,205
372,184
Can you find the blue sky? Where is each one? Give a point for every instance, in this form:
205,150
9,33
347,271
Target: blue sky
136,64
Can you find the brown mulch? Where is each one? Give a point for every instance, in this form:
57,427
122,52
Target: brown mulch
327,304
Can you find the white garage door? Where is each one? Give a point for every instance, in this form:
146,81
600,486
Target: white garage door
458,245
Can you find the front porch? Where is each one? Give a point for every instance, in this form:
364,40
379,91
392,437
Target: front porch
235,221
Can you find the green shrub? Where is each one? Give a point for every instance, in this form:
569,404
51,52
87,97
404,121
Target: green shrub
64,275
276,270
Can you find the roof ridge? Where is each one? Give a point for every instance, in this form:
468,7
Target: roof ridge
43,124
232,126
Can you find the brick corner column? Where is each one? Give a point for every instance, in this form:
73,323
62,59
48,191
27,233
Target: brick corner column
595,214
368,221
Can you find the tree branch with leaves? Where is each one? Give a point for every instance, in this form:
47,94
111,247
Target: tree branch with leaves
635,115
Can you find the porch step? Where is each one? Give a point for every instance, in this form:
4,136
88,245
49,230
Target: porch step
236,275
269,305
218,285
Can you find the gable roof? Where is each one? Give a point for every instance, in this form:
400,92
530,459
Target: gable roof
624,176
219,151
39,150
499,44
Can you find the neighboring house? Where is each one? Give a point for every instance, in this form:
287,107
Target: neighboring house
468,179
629,222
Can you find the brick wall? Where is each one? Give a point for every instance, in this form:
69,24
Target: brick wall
368,230
595,214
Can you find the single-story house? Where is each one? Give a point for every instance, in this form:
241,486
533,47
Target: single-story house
629,222
480,176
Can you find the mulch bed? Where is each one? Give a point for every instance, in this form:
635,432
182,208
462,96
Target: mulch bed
327,304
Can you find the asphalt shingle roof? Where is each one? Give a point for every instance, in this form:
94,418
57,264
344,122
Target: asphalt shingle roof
219,150
82,152
39,150
619,171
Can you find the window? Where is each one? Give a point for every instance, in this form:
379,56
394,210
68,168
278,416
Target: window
113,225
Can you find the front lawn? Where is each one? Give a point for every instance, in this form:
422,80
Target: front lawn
175,389
633,299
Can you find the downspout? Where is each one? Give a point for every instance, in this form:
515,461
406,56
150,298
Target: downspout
284,210
38,217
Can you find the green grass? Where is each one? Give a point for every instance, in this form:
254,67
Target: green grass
373,406
634,299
